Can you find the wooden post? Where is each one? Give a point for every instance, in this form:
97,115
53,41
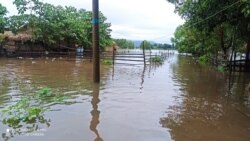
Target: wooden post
234,53
247,58
95,41
150,57
113,57
143,50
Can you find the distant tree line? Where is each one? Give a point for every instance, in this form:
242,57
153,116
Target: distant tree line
149,45
162,46
52,25
124,43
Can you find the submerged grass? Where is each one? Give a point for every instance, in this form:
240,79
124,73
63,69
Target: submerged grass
22,111
107,61
27,110
157,59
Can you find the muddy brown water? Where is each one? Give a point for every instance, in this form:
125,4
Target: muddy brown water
179,100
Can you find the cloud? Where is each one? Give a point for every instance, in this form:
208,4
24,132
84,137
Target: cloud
141,19
132,19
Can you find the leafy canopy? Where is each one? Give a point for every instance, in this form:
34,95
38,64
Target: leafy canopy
53,25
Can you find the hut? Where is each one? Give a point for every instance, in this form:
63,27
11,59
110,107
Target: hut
110,49
20,44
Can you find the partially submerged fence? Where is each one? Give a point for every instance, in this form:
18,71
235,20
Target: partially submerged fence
239,65
125,57
137,57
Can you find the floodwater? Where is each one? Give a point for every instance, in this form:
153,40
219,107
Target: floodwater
179,100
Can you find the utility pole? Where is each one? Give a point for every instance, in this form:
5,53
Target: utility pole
95,41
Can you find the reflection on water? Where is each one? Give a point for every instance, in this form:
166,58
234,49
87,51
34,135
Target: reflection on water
69,80
142,76
95,113
205,110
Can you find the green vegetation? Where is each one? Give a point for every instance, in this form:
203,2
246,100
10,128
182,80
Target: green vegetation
203,59
1,38
107,62
151,45
162,46
3,11
55,25
213,29
22,111
146,44
30,109
157,60
45,92
124,43
27,114
221,68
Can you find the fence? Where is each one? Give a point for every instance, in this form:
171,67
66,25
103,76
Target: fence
239,65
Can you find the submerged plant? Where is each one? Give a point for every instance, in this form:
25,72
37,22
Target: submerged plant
107,61
157,59
28,109
28,112
45,95
22,111
44,92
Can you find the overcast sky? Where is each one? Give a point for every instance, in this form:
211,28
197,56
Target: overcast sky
152,20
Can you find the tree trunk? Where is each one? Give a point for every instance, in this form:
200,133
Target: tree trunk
222,44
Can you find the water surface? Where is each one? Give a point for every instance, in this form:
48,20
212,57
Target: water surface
179,100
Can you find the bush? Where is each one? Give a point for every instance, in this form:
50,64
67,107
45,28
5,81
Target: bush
203,59
221,68
21,112
157,59
107,62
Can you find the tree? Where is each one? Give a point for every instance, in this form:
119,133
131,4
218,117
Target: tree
216,22
14,23
146,44
56,25
3,12
124,43
161,46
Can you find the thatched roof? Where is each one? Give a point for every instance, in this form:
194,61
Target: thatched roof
110,48
22,36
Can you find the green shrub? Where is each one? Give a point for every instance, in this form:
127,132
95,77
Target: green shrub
22,111
157,59
203,59
221,68
107,61
28,112
44,92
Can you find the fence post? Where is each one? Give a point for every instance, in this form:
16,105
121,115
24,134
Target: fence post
113,57
143,50
150,60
